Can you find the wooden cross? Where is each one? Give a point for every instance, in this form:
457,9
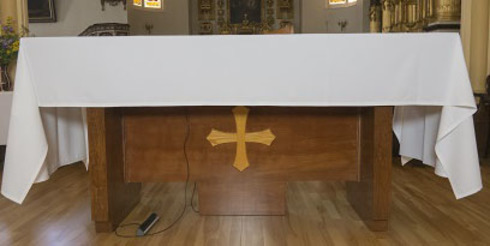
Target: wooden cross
241,137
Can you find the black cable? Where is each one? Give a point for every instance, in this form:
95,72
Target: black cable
192,199
188,129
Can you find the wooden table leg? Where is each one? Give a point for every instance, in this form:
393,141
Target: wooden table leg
112,198
371,196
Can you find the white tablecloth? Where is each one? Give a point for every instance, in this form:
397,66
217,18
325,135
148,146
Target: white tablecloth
5,104
423,75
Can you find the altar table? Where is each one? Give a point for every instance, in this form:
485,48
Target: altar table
123,81
240,157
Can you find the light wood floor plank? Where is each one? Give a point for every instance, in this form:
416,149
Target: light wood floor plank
424,212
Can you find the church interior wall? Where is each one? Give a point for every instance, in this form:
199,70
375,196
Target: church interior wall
316,18
173,20
74,16
310,16
181,18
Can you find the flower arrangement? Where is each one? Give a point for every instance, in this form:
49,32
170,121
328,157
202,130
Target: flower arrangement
9,49
9,42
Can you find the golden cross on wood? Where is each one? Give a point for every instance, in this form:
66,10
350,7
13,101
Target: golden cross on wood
241,137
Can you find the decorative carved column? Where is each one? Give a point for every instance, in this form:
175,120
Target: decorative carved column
388,7
224,28
284,9
412,16
206,14
430,8
270,15
475,35
465,30
426,11
375,18
399,15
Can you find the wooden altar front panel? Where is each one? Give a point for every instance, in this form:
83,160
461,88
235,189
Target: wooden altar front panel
310,144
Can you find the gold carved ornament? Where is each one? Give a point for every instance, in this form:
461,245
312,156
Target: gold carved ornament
241,137
414,15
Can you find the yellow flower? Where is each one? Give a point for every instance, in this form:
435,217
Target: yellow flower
15,46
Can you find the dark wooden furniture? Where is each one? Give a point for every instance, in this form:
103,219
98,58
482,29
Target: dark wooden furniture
484,103
106,29
41,11
133,145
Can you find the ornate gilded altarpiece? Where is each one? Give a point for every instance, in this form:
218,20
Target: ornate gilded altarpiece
207,10
242,16
284,9
414,15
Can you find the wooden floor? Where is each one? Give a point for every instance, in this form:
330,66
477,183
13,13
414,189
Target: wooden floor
425,212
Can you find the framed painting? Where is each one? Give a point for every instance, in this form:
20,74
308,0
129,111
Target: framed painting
41,11
249,11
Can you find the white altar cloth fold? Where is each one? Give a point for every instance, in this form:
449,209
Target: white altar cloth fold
423,75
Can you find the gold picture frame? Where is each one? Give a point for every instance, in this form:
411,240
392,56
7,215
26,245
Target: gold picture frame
41,11
246,16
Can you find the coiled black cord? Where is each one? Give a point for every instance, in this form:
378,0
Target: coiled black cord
188,129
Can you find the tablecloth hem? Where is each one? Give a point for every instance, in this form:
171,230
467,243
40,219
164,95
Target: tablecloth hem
236,103
66,163
468,193
12,198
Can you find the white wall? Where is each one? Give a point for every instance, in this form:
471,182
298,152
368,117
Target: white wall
318,19
173,20
5,105
74,16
